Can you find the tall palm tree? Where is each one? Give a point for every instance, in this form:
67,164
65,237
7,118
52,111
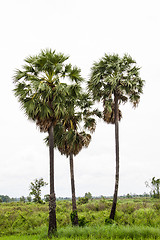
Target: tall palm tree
115,80
41,90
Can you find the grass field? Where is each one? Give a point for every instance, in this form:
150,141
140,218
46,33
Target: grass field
135,219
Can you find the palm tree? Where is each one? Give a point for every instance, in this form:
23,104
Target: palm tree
69,139
115,80
70,143
42,93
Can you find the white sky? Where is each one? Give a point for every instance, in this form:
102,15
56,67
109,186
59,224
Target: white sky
84,29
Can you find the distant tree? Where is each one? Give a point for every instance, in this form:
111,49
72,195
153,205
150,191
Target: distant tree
128,195
113,81
29,199
1,200
154,185
145,194
35,188
22,199
5,198
88,195
13,199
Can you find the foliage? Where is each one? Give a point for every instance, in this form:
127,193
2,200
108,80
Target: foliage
35,188
154,186
140,214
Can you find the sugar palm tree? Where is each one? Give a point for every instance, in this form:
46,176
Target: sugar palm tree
70,143
113,81
73,140
40,90
69,139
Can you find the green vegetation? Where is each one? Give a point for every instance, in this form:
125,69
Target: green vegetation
136,218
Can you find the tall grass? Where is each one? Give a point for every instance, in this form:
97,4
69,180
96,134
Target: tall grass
110,232
92,233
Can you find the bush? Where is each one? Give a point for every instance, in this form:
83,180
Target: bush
82,200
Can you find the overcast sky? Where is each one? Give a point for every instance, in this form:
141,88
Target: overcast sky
85,30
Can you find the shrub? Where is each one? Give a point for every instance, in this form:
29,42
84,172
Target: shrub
82,200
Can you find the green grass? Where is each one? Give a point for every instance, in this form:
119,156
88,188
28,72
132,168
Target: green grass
19,238
92,233
110,232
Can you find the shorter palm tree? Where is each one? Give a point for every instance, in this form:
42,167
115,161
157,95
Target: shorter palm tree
70,143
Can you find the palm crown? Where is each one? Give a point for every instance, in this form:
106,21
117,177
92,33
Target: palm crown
69,134
40,89
112,76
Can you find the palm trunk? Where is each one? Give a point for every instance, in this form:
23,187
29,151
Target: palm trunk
74,215
52,201
113,210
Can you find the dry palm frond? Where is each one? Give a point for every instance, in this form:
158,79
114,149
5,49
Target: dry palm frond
109,116
45,124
